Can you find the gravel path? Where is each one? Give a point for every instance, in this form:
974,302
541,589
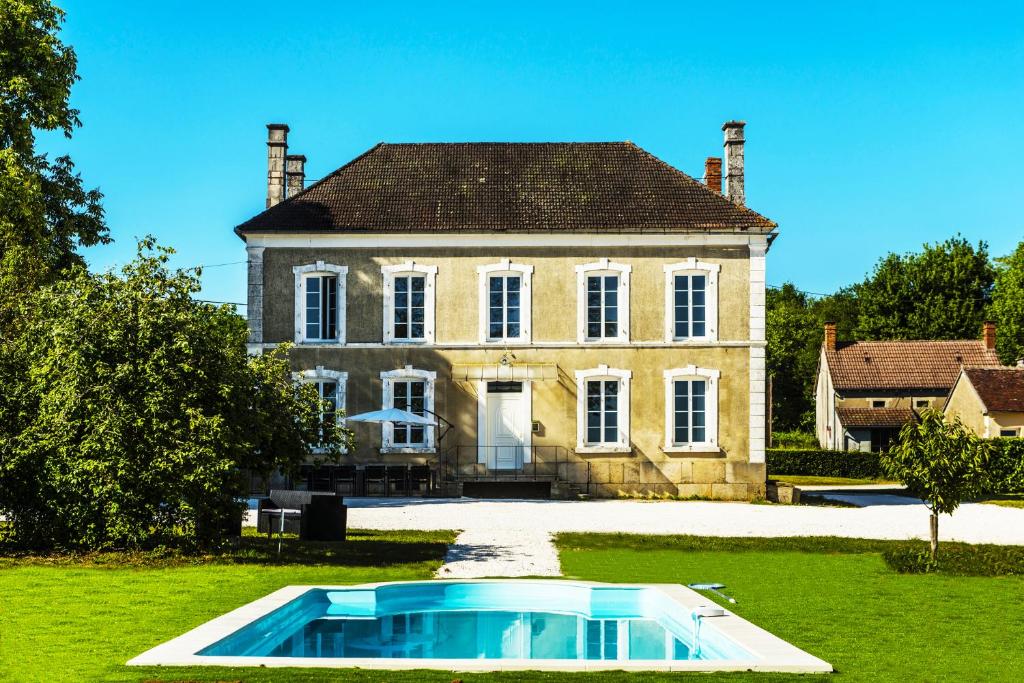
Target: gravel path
973,522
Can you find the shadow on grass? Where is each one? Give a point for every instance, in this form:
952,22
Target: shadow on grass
361,549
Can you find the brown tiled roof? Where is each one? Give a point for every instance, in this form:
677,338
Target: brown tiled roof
1000,389
875,417
507,187
895,365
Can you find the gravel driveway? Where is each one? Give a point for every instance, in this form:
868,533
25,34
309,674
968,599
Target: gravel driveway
513,538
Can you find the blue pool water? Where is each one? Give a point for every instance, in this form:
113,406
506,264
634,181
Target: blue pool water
488,620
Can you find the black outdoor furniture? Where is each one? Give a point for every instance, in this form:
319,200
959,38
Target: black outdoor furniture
420,480
375,480
323,519
302,512
345,478
398,480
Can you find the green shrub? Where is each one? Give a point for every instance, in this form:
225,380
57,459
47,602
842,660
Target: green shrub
1006,467
958,559
794,439
821,463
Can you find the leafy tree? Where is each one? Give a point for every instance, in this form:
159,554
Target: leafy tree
942,463
940,293
45,213
795,329
1008,306
131,411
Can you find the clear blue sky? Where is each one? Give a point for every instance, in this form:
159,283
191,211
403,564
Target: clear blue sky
872,127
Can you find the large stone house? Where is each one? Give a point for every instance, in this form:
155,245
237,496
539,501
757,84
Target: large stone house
990,401
866,391
586,317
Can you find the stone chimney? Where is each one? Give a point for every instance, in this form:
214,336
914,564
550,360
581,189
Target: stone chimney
988,334
277,149
830,336
734,161
295,170
713,174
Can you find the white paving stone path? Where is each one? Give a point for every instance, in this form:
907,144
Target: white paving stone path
513,538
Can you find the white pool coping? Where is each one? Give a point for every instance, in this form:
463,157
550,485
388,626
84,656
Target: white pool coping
774,654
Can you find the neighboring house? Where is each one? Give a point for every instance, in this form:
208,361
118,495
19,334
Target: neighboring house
867,391
586,316
990,401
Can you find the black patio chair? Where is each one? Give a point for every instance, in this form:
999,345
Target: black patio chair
398,479
375,477
345,477
420,480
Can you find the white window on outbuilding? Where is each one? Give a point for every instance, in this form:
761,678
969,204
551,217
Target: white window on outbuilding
409,303
691,410
602,302
505,296
320,303
412,390
602,410
691,301
331,386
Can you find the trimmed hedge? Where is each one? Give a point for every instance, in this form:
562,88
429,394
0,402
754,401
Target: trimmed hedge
820,463
1006,467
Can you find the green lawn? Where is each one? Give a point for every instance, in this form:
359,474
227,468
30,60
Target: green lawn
849,608
1009,500
80,619
812,480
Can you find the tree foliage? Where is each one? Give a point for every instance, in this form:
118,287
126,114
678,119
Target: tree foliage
45,212
131,410
1008,306
940,293
794,332
942,463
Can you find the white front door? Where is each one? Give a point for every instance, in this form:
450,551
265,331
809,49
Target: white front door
508,425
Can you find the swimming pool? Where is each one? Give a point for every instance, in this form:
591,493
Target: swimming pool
486,625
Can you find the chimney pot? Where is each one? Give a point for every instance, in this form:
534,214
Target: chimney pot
988,334
277,149
830,336
295,170
734,161
713,174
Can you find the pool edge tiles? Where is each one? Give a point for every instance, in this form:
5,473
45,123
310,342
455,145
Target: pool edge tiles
768,652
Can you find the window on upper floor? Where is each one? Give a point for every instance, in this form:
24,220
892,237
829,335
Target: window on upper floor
320,303
505,302
331,387
691,301
409,303
878,403
922,403
411,390
602,302
1009,433
602,415
691,409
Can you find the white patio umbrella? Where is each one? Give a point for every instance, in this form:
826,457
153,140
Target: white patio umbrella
391,415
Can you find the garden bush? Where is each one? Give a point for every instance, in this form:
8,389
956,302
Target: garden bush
821,463
1006,467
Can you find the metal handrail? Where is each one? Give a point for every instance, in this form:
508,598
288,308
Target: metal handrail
469,463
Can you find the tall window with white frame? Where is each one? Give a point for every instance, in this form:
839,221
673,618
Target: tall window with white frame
321,307
504,307
689,411
690,306
602,412
328,391
410,308
409,395
602,306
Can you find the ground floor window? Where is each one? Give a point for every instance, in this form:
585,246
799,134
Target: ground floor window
882,438
413,390
691,409
602,412
330,387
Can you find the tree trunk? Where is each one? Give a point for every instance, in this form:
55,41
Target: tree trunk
934,525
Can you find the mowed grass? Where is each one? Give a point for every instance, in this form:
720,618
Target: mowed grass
834,598
813,480
82,618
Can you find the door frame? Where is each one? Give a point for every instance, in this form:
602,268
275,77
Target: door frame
482,435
